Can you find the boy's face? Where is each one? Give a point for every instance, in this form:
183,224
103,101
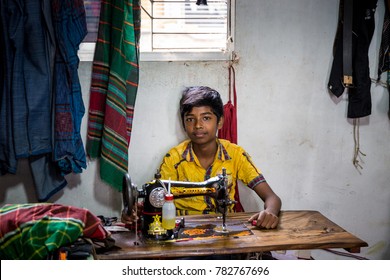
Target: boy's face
201,125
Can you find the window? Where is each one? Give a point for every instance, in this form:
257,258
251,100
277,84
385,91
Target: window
175,29
92,11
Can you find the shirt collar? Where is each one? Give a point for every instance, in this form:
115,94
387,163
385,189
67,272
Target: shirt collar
189,155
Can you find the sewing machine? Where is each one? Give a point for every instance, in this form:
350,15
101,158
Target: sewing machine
153,194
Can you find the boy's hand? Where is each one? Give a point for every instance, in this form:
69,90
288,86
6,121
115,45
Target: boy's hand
134,217
264,219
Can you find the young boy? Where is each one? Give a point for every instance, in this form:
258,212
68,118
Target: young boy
203,156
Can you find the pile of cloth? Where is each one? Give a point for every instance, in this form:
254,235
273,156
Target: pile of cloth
37,231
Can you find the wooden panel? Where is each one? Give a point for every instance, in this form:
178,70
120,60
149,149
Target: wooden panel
297,230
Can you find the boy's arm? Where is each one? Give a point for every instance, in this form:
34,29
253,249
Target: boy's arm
250,175
267,218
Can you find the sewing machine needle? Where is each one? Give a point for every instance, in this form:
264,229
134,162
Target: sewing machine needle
224,223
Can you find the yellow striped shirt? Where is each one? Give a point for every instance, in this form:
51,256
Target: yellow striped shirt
181,164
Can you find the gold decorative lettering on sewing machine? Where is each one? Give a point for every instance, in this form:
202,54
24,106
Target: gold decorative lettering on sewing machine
188,191
153,194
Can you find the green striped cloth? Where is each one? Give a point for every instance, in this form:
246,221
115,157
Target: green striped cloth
114,85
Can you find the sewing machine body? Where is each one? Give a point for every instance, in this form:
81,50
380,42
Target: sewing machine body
153,194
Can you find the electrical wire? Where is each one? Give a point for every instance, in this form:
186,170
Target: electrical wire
344,254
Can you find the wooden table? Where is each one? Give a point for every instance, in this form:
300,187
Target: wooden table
297,230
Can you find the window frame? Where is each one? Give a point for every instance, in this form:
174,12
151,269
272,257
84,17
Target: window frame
87,49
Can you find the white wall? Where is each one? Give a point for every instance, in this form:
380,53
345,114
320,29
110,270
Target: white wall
296,132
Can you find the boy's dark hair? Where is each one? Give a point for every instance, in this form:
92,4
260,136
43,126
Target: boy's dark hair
197,96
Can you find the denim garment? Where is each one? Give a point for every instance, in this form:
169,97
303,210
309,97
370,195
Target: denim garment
26,105
70,26
31,85
8,161
47,179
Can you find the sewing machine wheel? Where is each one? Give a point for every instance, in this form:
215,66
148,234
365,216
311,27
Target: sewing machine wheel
129,194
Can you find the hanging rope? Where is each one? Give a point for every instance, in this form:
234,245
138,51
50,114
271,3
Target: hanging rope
357,152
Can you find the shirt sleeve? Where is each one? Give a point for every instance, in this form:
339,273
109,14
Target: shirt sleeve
248,173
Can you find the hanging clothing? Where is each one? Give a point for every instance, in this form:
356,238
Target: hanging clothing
26,97
363,26
70,27
229,128
114,85
31,79
384,51
8,161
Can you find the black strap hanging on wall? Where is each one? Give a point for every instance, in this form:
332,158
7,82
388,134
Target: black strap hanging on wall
347,42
